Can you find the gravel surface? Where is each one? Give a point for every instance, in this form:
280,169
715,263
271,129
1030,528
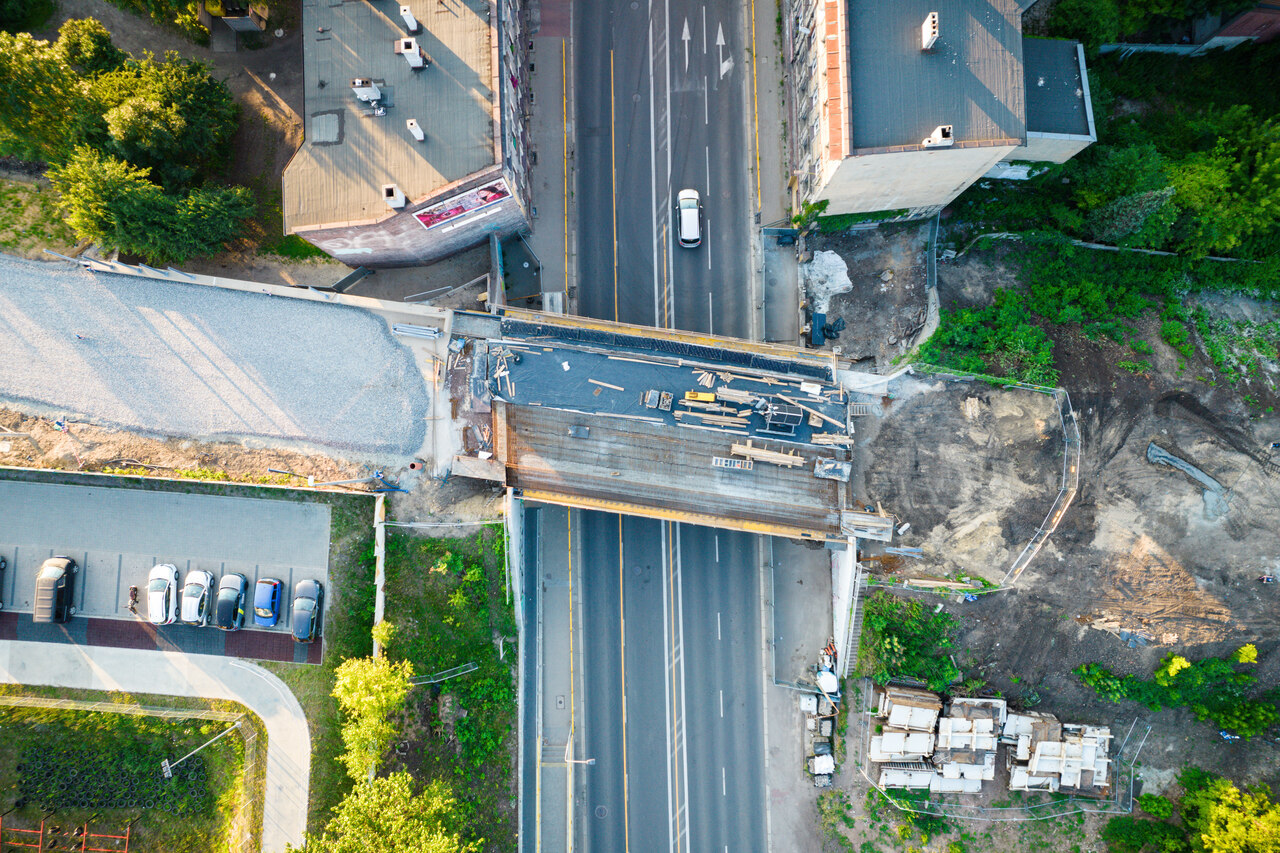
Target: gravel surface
197,361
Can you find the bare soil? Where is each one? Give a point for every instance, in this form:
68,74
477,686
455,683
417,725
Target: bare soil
1137,568
888,303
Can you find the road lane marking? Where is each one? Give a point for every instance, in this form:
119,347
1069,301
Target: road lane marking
706,104
704,30
622,619
666,284
564,119
718,626
755,100
724,786
653,164
684,37
717,541
613,170
684,714
669,580
710,320
721,692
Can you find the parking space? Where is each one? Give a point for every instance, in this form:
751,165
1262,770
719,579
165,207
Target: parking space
117,535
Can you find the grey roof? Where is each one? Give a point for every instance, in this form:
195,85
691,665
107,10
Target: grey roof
1055,91
972,78
336,177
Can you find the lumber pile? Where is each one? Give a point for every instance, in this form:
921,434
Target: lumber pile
762,454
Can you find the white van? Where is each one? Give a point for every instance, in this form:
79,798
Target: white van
689,218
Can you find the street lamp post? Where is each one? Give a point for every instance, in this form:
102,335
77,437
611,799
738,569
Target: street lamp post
166,767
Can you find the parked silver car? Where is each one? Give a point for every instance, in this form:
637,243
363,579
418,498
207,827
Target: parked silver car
197,594
162,594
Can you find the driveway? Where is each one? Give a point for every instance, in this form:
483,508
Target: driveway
212,363
284,810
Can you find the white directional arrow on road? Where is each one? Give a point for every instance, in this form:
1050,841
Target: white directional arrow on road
685,38
725,64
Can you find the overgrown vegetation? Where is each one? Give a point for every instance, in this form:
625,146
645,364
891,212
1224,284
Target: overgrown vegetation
1214,816
1212,688
18,15
132,145
77,762
448,601
1098,22
901,638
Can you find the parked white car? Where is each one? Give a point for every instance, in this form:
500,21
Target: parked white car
197,595
162,594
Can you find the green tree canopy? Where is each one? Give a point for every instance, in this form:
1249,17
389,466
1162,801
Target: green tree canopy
1223,819
116,205
42,100
86,46
369,691
387,815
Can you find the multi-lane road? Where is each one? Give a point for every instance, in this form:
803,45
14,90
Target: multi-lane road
672,705
664,102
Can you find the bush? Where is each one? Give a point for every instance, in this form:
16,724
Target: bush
901,638
1156,806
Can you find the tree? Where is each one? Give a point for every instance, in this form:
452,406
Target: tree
85,45
171,116
386,815
109,202
1223,819
369,691
42,100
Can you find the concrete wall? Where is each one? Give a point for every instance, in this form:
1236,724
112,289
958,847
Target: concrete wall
1050,147
906,179
402,241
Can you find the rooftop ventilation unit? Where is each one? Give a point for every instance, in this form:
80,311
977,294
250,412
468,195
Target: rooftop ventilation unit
415,129
410,22
941,137
412,53
393,196
929,31
366,90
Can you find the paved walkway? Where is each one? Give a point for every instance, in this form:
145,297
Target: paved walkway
284,809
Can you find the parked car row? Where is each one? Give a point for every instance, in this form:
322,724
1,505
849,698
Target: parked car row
198,601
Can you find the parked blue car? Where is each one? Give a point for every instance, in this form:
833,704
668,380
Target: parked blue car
266,602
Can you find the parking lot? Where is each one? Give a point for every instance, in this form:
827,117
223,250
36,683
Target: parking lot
116,535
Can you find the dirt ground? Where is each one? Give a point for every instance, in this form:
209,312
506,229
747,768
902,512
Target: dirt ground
887,304
83,447
1139,567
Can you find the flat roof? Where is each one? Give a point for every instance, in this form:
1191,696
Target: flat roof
971,79
348,153
1055,90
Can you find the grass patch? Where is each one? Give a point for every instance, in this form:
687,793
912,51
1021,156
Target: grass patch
78,764
294,248
843,221
448,601
30,221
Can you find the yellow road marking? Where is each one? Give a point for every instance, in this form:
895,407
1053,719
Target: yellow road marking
613,168
622,623
755,98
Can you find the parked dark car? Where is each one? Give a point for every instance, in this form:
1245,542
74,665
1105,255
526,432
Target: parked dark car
229,607
266,602
308,604
55,590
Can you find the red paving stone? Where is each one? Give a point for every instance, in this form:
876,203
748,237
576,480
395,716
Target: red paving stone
555,19
120,634
264,645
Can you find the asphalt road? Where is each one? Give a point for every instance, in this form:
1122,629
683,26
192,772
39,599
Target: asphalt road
657,113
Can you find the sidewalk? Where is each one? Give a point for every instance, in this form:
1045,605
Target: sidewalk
552,130
287,778
555,695
780,295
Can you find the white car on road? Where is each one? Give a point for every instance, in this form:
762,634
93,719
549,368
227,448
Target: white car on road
162,594
197,595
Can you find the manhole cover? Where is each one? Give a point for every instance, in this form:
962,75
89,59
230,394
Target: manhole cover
637,569
634,4
601,811
635,99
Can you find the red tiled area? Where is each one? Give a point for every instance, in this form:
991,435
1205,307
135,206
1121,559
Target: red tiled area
120,634
264,645
555,19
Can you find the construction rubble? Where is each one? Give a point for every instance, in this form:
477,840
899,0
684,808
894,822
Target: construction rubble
919,746
819,711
